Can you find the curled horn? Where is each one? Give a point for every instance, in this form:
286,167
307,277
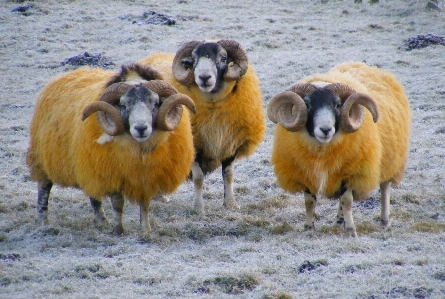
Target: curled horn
109,118
303,89
184,75
239,56
352,113
162,88
288,108
170,112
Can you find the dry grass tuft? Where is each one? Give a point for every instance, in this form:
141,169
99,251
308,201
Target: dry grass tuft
233,285
411,198
330,230
366,228
428,227
281,229
280,201
280,295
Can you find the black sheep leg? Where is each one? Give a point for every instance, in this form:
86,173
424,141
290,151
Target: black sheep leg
42,200
99,215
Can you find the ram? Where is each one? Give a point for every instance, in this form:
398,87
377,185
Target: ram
229,122
139,144
327,144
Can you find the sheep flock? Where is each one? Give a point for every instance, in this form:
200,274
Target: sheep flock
259,206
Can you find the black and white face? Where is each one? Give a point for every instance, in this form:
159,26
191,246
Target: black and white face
323,115
210,62
139,107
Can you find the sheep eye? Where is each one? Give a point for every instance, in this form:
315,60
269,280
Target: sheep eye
187,62
223,59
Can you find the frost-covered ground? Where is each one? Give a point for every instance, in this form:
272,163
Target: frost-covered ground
260,251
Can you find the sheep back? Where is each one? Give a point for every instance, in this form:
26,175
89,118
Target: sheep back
67,151
232,123
375,153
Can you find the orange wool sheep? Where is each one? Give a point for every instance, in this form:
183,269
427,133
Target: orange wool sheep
139,144
229,123
327,144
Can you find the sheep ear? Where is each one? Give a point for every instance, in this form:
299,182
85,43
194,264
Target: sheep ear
238,55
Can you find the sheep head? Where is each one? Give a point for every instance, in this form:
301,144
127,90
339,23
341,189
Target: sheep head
321,110
138,108
208,64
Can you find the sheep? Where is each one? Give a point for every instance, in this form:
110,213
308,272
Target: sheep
327,144
229,123
139,144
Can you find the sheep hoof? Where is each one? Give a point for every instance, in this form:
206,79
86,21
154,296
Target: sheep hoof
118,230
233,205
100,221
161,198
308,227
386,224
198,209
42,221
101,226
42,218
350,231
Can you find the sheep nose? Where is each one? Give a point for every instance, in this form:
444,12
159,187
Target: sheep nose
141,129
325,131
204,78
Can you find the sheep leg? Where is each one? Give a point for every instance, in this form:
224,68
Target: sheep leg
310,201
144,219
340,217
99,215
346,200
198,181
340,221
385,189
117,201
227,174
44,188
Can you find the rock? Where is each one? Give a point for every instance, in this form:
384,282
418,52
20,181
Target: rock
88,59
422,41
